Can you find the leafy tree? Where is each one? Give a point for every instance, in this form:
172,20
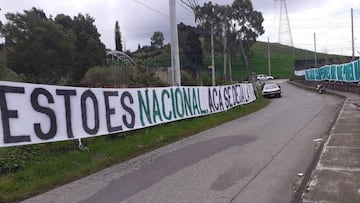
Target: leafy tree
221,18
157,40
1,27
64,21
118,42
209,20
226,21
89,50
250,26
190,46
37,47
51,51
248,22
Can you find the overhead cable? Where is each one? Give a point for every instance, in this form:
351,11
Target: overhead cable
147,6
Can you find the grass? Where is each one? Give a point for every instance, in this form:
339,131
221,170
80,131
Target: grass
282,60
46,166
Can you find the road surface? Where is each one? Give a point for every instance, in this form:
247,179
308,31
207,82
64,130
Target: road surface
252,159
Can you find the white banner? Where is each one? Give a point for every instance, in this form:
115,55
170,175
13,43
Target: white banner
299,72
35,113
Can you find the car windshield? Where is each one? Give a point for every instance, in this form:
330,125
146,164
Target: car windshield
270,86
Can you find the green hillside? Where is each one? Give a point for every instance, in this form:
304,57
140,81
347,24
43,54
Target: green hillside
282,60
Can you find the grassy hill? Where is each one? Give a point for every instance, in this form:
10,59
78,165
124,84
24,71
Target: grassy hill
282,60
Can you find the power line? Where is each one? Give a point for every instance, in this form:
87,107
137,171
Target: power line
185,3
184,6
146,6
192,4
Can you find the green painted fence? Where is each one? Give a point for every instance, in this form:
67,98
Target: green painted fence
347,72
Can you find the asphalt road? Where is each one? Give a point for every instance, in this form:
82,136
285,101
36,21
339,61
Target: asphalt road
252,159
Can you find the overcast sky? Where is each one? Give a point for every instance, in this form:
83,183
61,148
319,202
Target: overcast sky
139,19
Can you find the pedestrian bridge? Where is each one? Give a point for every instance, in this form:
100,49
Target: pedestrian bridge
118,57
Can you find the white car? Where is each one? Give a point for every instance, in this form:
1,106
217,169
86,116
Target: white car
271,90
264,77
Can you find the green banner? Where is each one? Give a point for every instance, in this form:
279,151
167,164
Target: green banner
347,72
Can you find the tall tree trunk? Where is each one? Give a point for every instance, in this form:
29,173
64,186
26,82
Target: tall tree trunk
246,60
225,56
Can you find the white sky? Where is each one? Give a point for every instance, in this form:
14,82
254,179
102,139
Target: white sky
329,19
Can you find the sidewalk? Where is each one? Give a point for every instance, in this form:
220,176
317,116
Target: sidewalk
336,177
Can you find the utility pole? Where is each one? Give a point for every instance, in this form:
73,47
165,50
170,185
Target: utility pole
212,54
124,45
225,54
269,62
352,34
175,59
315,49
230,68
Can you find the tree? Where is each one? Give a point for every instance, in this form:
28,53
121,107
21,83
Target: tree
51,51
1,27
225,13
190,46
118,42
38,47
64,21
157,40
209,19
89,50
248,23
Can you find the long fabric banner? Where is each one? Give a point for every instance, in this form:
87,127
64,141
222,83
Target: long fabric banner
348,72
34,113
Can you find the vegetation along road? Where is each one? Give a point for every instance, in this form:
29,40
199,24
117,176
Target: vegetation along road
252,159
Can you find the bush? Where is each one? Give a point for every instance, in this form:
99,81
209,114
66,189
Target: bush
138,76
109,75
146,78
187,79
206,79
10,75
